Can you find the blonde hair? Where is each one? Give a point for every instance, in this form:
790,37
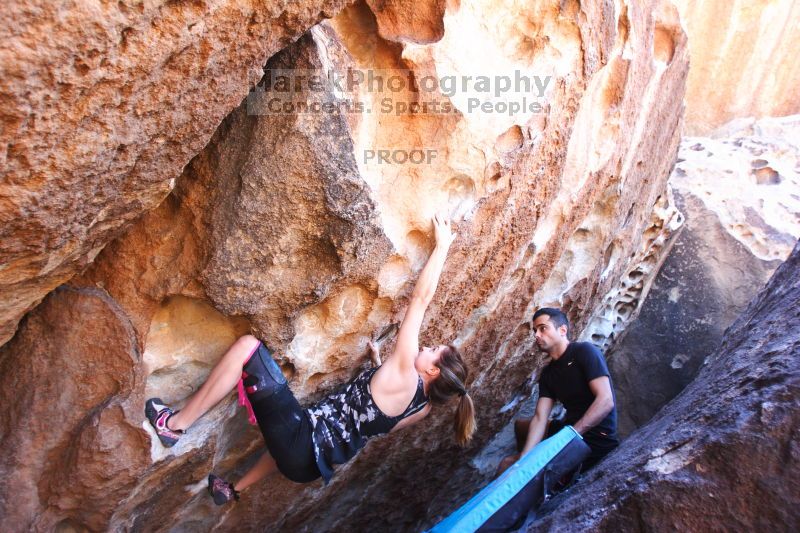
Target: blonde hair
453,373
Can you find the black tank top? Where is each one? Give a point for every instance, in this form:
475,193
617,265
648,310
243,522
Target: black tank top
345,420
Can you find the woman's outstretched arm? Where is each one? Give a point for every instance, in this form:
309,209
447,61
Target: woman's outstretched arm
407,345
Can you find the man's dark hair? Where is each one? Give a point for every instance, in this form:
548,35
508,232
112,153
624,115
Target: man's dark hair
557,317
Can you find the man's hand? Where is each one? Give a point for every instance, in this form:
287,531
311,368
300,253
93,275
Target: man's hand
602,405
506,463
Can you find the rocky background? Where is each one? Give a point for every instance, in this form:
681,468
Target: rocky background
735,47
153,210
739,191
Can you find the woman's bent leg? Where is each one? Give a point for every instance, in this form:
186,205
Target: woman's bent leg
264,467
220,383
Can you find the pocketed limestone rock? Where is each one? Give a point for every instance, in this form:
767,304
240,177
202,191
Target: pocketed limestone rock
272,224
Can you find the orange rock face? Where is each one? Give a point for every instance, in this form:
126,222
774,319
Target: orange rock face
742,61
73,446
409,21
310,228
103,105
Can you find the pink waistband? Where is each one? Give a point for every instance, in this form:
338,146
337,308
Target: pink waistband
243,400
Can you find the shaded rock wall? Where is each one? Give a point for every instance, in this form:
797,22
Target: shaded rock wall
742,60
78,397
724,454
282,225
103,105
740,193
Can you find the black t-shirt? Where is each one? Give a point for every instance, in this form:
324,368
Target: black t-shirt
567,380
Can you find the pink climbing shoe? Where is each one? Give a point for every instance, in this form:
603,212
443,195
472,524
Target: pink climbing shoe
221,490
158,414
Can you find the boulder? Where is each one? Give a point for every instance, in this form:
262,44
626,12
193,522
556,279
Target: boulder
71,435
739,227
288,224
103,105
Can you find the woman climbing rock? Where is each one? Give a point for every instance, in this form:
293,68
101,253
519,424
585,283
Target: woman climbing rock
305,444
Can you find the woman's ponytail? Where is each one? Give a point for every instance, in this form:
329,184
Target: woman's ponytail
464,422
452,378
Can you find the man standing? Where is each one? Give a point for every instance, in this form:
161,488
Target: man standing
578,377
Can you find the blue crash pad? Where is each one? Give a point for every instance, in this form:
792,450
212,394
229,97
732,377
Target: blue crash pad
472,515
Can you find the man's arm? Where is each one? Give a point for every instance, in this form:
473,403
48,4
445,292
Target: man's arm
602,405
538,424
